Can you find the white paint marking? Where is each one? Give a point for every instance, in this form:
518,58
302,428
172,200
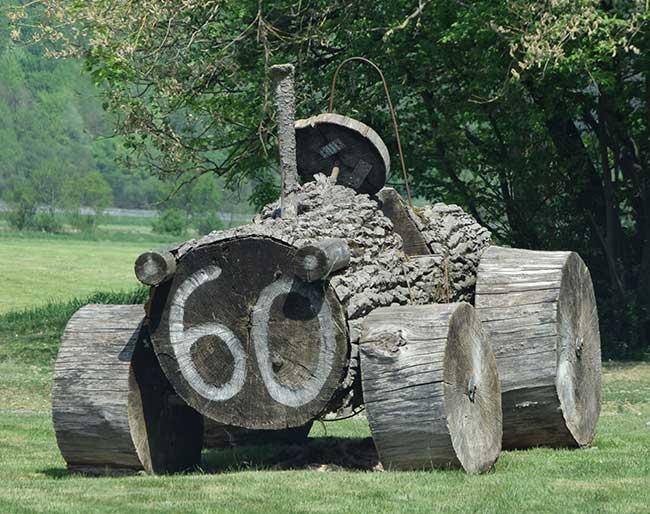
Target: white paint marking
182,341
261,313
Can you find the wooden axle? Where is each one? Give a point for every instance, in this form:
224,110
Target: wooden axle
319,260
154,267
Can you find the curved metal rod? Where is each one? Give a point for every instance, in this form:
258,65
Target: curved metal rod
390,106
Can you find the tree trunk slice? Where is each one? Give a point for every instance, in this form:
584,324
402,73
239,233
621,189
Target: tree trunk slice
329,141
218,436
112,407
404,222
540,313
244,341
155,266
319,260
431,388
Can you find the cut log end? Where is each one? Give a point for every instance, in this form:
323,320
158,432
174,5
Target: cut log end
244,341
539,311
318,261
472,392
431,388
579,360
330,142
155,267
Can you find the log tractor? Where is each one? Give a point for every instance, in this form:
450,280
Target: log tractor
337,297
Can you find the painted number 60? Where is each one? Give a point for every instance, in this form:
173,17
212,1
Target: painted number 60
183,339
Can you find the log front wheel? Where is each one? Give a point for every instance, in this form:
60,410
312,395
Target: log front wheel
113,409
431,388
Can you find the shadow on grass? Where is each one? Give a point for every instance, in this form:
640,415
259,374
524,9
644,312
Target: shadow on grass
320,454
57,472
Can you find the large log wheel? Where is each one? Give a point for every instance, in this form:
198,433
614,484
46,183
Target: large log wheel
244,341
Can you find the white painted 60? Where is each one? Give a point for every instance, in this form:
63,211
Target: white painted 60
182,341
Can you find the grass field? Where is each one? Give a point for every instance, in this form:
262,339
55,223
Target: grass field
35,271
332,475
613,476
38,268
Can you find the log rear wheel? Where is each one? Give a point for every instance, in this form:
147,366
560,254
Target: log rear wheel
244,341
431,388
540,313
579,360
112,408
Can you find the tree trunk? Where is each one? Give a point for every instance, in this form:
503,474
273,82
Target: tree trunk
539,311
431,388
112,407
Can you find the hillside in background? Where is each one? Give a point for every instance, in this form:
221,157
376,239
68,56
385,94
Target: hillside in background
55,135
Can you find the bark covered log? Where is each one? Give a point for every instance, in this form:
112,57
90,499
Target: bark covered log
539,310
253,258
112,407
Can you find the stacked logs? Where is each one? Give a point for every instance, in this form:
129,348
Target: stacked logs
329,313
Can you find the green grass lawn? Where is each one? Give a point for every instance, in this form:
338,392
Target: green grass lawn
613,476
37,269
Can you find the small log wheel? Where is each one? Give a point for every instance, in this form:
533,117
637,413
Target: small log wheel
113,409
244,341
431,388
330,141
539,310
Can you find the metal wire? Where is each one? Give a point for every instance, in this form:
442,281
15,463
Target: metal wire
390,107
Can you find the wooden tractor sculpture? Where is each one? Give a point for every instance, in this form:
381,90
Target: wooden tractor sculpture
337,296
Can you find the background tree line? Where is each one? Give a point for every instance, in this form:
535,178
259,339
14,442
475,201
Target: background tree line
535,116
56,153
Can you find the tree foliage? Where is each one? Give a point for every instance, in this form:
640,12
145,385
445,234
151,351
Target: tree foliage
533,115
